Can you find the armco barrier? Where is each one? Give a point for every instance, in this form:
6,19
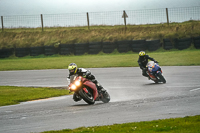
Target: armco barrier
153,45
66,49
81,48
138,45
196,41
108,47
50,50
35,51
21,52
124,46
4,53
183,43
167,44
95,47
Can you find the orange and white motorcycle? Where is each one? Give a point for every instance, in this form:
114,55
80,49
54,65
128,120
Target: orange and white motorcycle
155,73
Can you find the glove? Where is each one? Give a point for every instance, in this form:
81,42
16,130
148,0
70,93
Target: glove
156,61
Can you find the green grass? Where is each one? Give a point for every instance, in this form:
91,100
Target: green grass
186,57
10,95
21,37
189,124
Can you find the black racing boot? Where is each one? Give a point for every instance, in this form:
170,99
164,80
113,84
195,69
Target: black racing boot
76,97
144,73
99,87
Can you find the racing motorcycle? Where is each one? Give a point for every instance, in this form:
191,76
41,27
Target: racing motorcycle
87,90
155,73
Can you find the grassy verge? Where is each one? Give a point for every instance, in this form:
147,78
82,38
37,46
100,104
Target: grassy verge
187,124
166,58
16,38
10,95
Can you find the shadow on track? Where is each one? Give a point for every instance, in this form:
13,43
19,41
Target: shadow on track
153,84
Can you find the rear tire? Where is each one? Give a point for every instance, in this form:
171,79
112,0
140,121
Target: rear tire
106,97
162,79
87,97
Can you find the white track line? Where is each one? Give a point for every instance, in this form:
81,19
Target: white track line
195,89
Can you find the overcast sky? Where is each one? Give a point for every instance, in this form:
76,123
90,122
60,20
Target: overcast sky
33,7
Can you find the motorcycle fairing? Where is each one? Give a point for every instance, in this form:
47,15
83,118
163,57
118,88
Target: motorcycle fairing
153,69
92,86
152,76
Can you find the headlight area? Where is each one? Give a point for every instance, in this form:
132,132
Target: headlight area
75,85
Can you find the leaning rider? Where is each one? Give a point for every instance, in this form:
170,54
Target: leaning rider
143,60
73,69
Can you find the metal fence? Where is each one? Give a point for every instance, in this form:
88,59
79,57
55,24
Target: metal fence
128,17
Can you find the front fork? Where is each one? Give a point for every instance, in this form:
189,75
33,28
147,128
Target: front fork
156,75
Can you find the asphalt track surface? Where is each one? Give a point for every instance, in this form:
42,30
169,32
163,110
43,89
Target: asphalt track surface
134,98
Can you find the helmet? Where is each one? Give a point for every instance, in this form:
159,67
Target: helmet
72,68
141,53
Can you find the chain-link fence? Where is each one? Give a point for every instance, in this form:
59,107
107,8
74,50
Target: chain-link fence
130,17
184,14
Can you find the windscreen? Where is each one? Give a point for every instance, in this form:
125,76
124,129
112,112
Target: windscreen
150,64
71,79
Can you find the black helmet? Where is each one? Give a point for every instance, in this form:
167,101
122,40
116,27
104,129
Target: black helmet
72,68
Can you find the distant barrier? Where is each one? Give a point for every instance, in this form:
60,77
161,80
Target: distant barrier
21,52
183,43
197,42
124,46
66,49
4,53
95,47
105,47
167,44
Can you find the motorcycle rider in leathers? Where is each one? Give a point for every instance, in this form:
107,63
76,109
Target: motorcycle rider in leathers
73,69
143,60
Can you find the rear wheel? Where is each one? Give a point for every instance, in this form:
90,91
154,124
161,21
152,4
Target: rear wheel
162,79
106,97
87,97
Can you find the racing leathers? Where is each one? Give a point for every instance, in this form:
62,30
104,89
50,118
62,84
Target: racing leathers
142,61
86,74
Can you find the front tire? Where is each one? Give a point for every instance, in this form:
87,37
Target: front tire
87,97
161,77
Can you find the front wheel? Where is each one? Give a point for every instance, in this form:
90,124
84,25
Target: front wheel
162,79
87,97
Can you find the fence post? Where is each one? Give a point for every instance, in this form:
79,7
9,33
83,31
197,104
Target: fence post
88,22
124,15
2,22
42,21
167,16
